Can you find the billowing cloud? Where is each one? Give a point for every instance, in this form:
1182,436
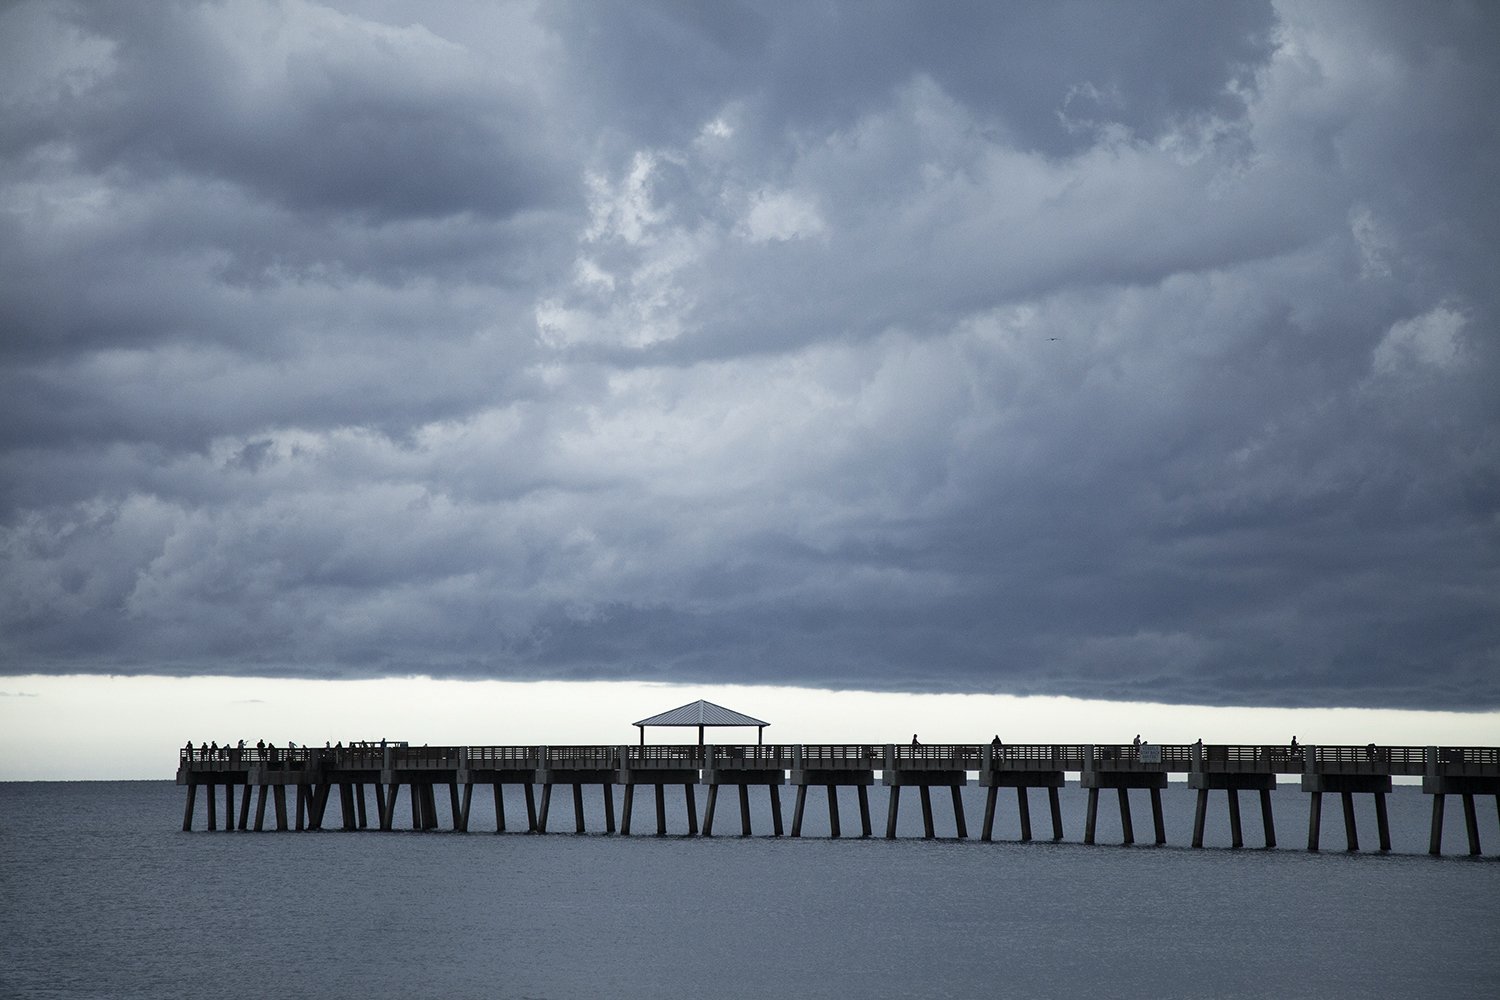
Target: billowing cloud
1140,353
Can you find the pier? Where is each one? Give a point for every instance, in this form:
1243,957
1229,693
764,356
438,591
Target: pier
350,774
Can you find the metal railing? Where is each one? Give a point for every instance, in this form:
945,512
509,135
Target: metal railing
1276,758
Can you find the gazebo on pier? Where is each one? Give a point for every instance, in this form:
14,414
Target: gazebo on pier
703,714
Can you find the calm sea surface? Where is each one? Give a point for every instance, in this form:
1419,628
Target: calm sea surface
101,895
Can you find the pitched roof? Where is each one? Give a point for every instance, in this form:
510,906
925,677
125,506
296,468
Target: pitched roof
701,713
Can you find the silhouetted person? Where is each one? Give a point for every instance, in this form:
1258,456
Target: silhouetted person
996,742
914,740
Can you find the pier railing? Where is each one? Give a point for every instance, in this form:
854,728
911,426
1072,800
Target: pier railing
1277,759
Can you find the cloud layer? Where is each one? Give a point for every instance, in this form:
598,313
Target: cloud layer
1085,349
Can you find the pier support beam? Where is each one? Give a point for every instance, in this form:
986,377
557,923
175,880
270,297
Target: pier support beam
832,779
260,807
1236,834
1471,823
1127,829
1023,806
187,813
1347,786
926,779
741,774
1121,781
1382,822
891,810
1157,822
1056,806
1435,840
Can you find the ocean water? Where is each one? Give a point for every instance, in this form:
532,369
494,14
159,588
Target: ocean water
102,895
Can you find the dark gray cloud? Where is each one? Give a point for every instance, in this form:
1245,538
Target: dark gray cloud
1141,353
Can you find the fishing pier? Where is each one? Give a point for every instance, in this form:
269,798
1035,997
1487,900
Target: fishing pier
315,777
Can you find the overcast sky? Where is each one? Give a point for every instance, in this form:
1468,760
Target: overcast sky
1121,351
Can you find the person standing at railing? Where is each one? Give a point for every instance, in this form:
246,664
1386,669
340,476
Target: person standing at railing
914,740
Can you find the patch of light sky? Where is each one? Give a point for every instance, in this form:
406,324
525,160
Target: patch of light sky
106,727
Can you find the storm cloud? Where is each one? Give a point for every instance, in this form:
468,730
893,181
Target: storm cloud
1118,351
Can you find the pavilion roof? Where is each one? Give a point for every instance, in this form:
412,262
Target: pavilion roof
701,713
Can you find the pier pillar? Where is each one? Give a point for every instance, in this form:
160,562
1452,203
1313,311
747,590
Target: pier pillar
187,813
260,808
833,810
661,810
245,806
499,807
1023,805
530,807
1471,822
708,810
346,805
362,818
891,811
1266,818
578,824
692,808
1382,823
1052,800
415,794
609,807
1314,820
280,801
463,812
1126,827
987,829
455,811
1236,834
625,813
316,795
541,819
744,810
958,813
1091,817
213,810
926,795
430,802
864,810
1351,829
775,809
381,822
1200,815
797,810
228,808
388,805
1156,817
1435,841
